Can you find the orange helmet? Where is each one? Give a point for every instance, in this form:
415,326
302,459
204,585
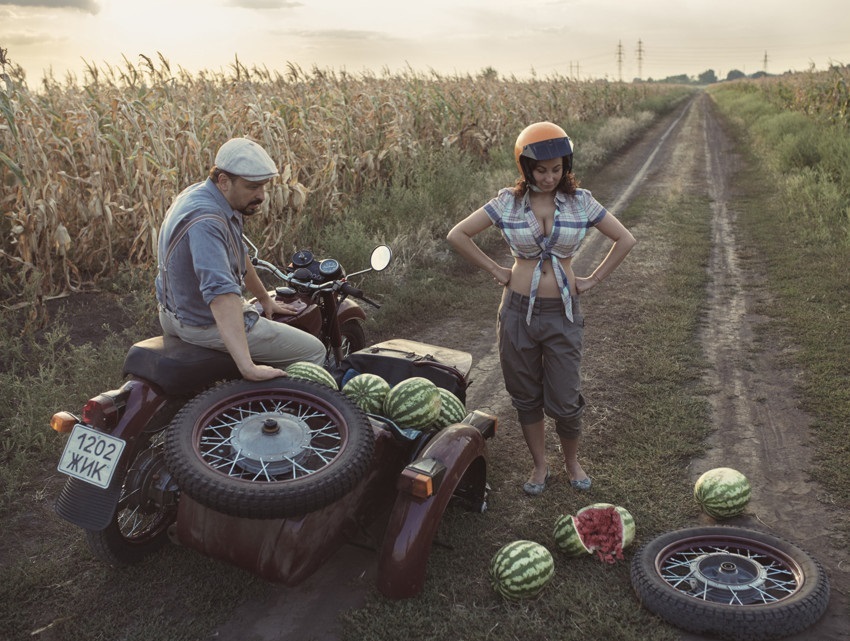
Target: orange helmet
542,141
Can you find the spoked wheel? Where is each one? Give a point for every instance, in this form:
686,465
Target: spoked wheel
729,582
147,507
271,449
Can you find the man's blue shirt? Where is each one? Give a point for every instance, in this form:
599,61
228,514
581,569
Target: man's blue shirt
208,257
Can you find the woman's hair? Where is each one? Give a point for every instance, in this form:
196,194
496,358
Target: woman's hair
568,183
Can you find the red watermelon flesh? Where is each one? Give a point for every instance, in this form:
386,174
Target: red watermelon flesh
601,532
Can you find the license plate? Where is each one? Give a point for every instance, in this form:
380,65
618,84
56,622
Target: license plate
91,456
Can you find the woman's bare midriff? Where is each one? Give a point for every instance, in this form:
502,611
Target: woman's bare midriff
523,271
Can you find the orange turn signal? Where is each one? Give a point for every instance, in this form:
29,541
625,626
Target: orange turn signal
422,478
415,483
63,422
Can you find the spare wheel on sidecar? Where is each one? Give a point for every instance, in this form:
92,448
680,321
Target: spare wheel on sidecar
270,449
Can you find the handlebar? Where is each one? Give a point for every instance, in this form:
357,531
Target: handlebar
350,290
303,278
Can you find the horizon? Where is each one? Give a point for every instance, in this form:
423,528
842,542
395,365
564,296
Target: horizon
582,39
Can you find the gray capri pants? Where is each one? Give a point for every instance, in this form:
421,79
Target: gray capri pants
541,362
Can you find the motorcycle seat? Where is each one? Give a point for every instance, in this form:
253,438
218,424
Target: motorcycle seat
178,368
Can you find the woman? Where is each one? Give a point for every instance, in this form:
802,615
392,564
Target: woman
543,219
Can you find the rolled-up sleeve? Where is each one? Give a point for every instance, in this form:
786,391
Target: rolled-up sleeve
209,243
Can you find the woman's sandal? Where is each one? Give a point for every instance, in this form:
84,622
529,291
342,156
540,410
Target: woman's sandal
533,489
582,485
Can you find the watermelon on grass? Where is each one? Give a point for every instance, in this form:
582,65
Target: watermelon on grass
600,528
452,410
413,403
520,570
722,492
368,391
308,371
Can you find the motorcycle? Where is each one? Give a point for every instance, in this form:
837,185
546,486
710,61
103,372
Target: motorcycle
272,476
322,292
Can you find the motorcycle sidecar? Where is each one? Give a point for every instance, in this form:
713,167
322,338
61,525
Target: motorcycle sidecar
408,481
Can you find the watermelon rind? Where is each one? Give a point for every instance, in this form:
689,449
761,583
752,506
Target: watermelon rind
413,403
567,537
307,371
367,390
521,569
722,492
452,409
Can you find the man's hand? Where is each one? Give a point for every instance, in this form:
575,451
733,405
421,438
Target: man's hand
272,307
262,373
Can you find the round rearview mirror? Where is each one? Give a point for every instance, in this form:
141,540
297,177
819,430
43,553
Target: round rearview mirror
381,257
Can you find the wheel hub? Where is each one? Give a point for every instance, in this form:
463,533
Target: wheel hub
727,571
148,484
270,442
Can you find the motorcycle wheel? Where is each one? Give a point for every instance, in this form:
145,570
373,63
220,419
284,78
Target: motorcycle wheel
731,583
270,449
140,525
353,337
353,340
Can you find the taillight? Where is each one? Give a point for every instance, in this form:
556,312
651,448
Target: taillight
104,410
422,478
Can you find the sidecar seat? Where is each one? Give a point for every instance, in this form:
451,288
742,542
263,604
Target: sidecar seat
177,367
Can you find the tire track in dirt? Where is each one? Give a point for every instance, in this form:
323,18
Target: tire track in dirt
759,428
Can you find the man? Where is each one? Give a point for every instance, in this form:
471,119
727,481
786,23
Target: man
203,265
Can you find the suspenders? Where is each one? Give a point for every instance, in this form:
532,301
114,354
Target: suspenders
172,245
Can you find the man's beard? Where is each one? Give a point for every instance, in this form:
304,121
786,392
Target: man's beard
256,210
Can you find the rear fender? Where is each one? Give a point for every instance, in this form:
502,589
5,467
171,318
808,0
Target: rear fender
414,521
91,507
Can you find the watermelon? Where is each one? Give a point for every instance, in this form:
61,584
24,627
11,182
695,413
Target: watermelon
413,403
722,492
368,391
308,371
600,528
520,570
452,410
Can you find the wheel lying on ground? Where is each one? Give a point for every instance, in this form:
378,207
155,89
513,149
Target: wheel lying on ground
270,449
146,508
730,582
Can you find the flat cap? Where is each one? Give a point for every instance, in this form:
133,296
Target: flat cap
245,158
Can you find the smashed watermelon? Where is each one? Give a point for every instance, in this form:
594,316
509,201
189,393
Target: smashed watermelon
601,529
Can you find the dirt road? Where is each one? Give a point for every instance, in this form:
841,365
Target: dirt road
758,426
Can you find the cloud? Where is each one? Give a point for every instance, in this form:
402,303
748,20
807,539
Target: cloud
262,4
344,35
89,6
30,38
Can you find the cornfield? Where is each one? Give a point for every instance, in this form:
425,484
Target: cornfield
88,170
823,95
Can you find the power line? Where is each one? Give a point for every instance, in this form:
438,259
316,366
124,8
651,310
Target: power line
640,59
620,61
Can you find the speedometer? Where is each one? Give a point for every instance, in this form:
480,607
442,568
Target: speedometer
330,267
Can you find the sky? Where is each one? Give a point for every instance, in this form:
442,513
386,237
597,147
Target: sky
611,39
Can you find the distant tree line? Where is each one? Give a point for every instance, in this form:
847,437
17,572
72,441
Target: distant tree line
705,78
